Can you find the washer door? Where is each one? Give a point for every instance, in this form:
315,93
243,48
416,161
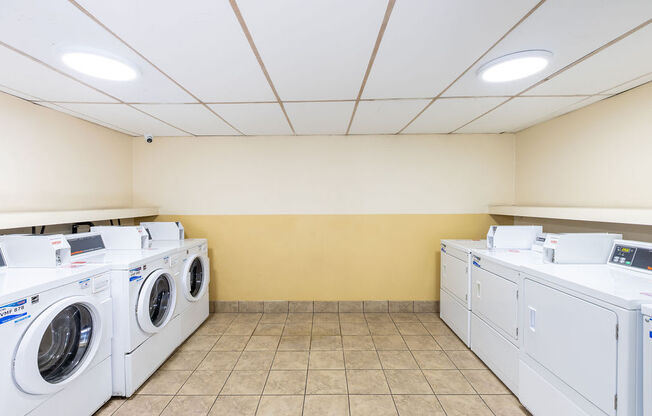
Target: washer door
156,301
195,277
58,346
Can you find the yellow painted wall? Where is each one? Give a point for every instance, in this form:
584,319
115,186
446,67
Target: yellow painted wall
328,257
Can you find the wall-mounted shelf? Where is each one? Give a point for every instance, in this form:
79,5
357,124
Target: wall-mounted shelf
36,218
638,216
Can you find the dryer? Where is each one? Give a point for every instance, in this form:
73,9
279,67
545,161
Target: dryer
56,328
646,310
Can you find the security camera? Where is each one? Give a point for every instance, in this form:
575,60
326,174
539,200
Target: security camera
149,138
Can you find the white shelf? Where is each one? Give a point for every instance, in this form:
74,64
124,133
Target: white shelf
638,216
36,218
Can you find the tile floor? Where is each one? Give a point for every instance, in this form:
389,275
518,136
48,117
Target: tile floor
305,364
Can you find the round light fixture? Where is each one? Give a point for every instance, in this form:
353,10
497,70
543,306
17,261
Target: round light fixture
99,66
515,66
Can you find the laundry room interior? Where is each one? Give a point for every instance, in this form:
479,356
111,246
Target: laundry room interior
326,207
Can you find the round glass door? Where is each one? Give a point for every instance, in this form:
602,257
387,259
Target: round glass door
159,301
156,301
196,277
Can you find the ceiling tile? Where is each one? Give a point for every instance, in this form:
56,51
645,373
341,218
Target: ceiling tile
428,43
447,114
615,65
569,29
35,80
45,28
16,93
201,45
320,118
58,107
385,117
629,84
255,119
193,118
318,49
125,117
519,113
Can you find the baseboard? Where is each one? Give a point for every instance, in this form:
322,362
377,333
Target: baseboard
367,306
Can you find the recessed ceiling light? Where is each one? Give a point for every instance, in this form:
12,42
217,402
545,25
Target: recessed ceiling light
515,66
99,66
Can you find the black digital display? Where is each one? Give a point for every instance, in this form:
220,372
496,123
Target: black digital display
643,259
85,244
2,260
638,257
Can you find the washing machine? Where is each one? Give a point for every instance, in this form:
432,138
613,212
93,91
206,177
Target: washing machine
646,310
144,298
583,335
56,329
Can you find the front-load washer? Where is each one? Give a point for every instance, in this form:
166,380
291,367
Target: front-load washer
56,328
144,298
455,288
646,310
582,338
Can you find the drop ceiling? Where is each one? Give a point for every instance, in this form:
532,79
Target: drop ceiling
254,67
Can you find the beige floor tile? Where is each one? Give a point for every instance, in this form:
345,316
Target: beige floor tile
378,317
235,406
389,342
221,318
450,343
273,318
397,360
326,360
420,405
330,405
280,405
326,328
294,317
245,382
464,406
428,317
325,306
207,383
165,382
376,306
210,328
367,382
466,360
184,360
143,405
372,406
219,360
411,328
189,405
275,307
421,342
199,343
110,407
362,360
350,307
241,328
448,382
407,382
294,343
326,343
326,382
255,360
485,382
326,317
352,318
358,342
437,329
263,343
354,328
269,329
231,343
300,307
286,382
290,360
404,317
505,405
433,360
298,328
382,328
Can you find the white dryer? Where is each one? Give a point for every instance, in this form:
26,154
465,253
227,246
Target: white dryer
56,328
144,299
454,295
646,310
582,344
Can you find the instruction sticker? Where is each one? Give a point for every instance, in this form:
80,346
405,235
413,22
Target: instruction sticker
14,312
135,274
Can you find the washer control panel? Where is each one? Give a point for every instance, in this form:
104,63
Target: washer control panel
637,256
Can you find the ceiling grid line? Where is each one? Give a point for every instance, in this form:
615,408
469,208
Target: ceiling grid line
254,48
372,58
102,25
92,118
559,71
528,14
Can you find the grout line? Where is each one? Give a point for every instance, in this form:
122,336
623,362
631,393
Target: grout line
372,58
559,71
254,49
528,14
103,26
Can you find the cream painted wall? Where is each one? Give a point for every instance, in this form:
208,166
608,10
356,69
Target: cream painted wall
53,161
598,156
430,174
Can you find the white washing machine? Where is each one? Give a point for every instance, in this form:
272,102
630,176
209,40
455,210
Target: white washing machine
144,298
454,294
56,328
582,344
646,310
